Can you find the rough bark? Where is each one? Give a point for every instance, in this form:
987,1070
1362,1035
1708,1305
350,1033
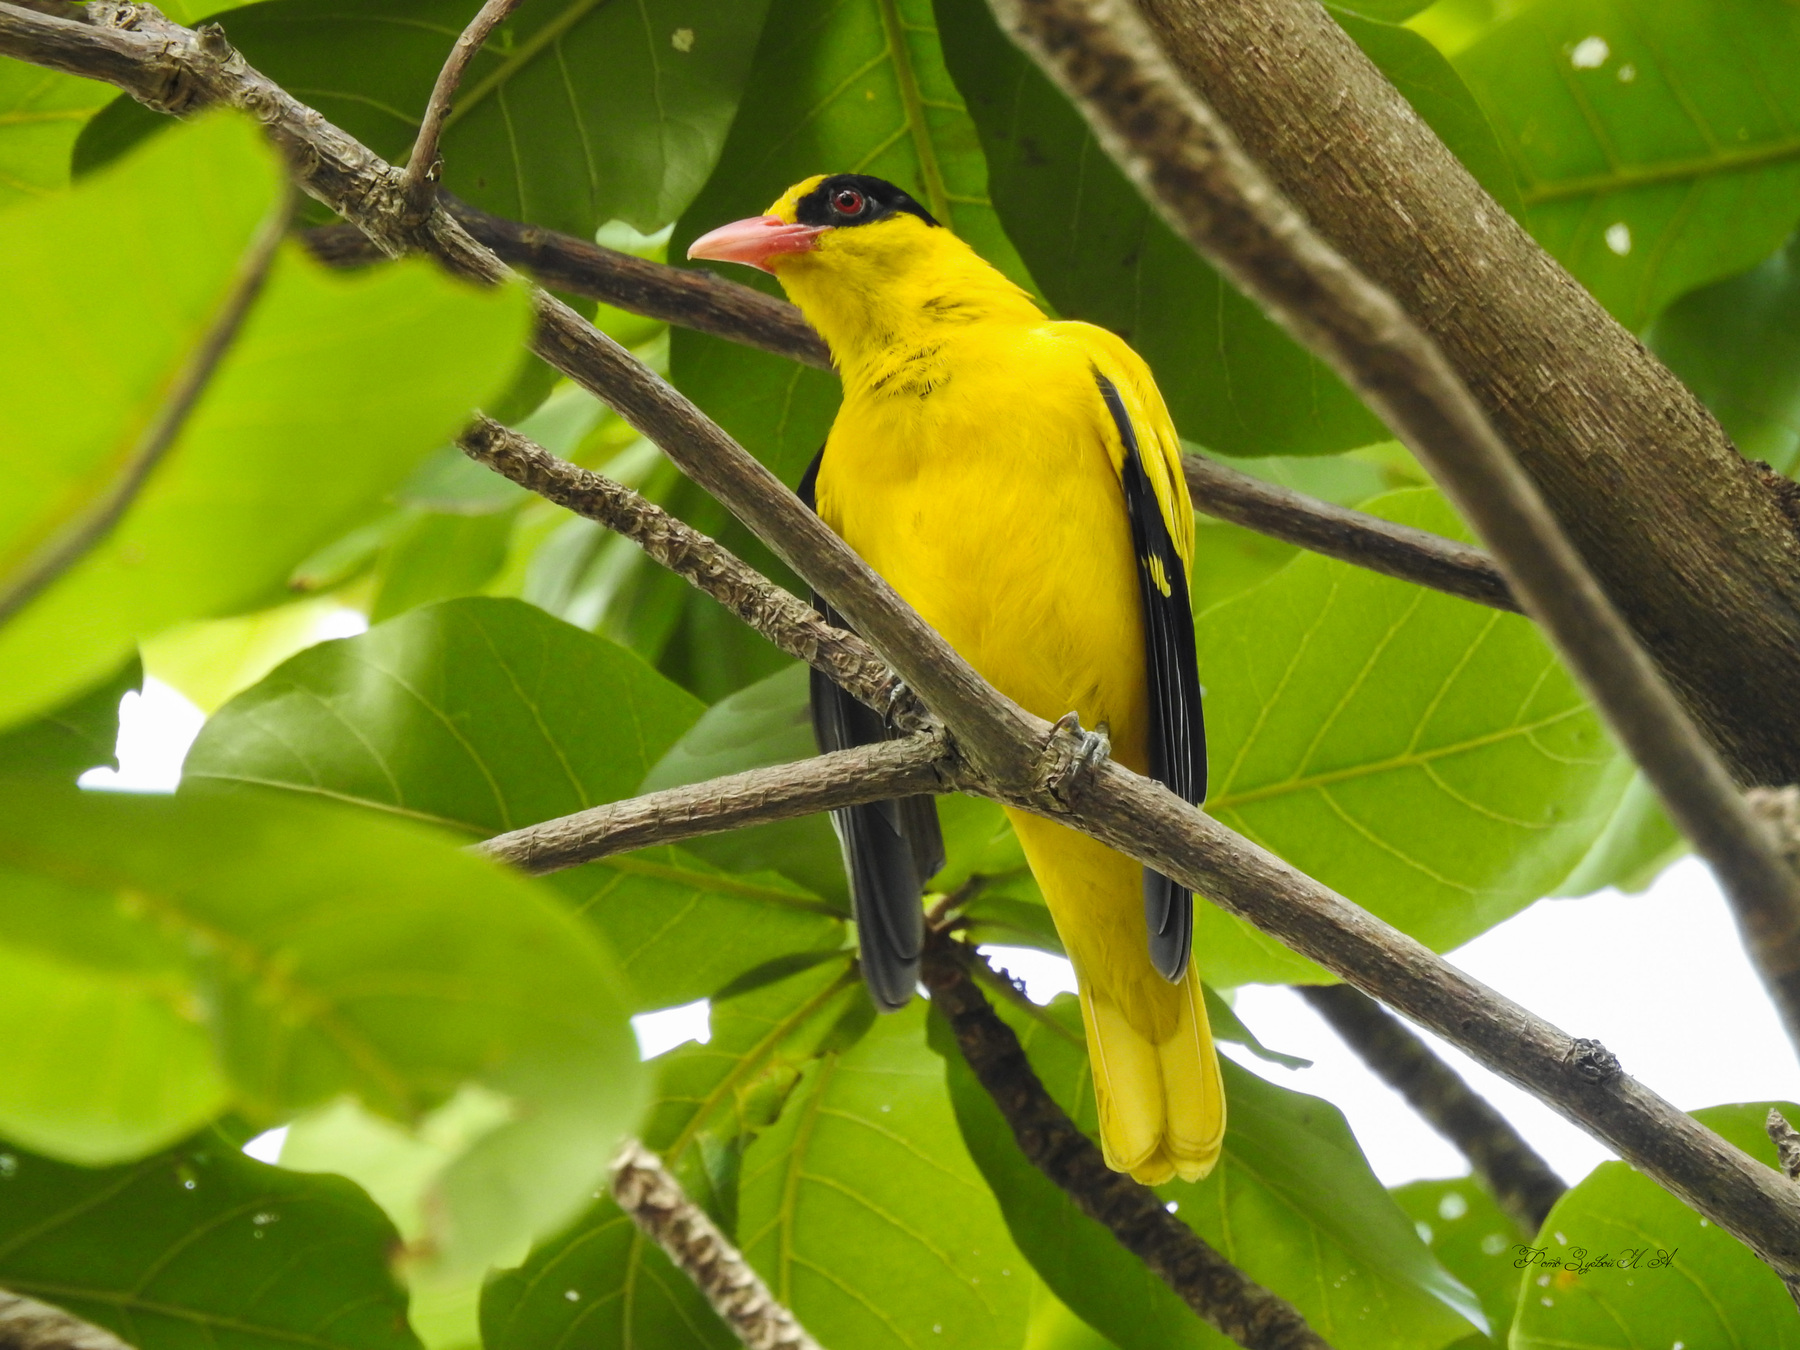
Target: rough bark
1677,526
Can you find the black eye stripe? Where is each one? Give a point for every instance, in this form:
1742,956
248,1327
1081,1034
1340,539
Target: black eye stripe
847,199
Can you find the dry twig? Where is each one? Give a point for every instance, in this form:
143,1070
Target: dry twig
424,166
656,1203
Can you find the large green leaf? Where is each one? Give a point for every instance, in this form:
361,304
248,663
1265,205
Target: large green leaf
337,386
576,112
1736,343
1637,843
1657,145
201,1248
1658,1274
1233,380
311,951
866,1215
1474,1239
1292,1202
41,113
484,715
601,1285
1425,756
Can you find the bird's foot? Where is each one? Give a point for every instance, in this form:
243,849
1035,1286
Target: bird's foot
1071,753
905,710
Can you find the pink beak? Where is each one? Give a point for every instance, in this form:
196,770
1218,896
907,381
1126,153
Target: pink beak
756,240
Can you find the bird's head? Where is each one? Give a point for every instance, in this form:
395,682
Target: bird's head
844,228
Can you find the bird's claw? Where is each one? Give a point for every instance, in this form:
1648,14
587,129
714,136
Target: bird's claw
905,710
1072,751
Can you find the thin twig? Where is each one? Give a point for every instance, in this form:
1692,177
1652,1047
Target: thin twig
425,165
1351,536
656,1203
1192,169
738,313
1518,1178
790,623
1219,1293
869,773
175,70
64,549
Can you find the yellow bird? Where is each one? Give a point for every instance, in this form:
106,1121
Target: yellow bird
1018,481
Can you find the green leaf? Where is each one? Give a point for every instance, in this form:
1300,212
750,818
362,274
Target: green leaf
865,1214
1427,757
711,1098
1474,1239
439,556
322,952
1292,1203
336,387
41,113
76,737
766,724
201,1247
1637,843
484,715
1712,1290
1655,145
574,113
1736,343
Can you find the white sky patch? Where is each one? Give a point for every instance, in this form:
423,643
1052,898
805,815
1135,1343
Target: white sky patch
1590,53
1045,975
266,1147
1618,237
661,1031
156,727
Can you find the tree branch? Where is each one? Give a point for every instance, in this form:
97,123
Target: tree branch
1191,168
656,1203
1355,537
737,313
1223,1296
1680,529
424,166
1520,1180
1037,766
869,773
788,622
67,547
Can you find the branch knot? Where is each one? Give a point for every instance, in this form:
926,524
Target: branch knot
1592,1061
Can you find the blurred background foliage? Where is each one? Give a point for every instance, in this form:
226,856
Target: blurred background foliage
296,938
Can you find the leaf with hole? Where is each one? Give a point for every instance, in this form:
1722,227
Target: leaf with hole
1427,757
1657,147
1621,1263
335,389
574,113
201,1246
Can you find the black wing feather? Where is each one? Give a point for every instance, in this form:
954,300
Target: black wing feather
891,848
1177,731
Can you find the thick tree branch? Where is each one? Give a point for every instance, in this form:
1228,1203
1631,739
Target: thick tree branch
788,622
1680,530
1521,1181
869,773
737,313
64,549
1223,1296
646,1191
424,166
1023,759
1192,169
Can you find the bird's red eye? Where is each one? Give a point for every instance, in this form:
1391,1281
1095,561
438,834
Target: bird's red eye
848,201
